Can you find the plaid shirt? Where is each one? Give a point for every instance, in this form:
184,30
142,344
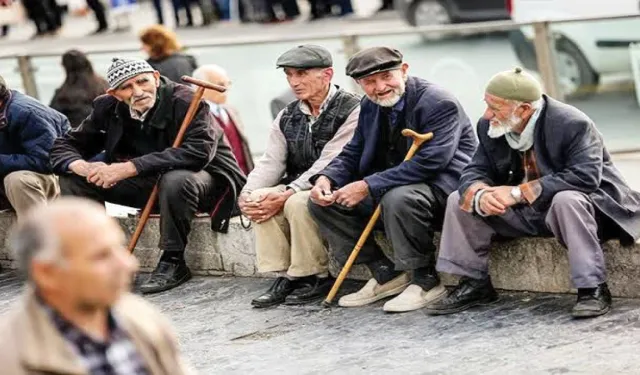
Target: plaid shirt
117,356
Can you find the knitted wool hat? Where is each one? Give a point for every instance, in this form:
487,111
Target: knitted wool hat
515,84
124,69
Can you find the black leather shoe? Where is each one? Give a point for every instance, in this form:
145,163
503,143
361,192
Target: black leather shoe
592,302
468,293
276,294
313,290
166,276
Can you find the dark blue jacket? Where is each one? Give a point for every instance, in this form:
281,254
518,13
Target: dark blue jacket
27,131
570,154
428,108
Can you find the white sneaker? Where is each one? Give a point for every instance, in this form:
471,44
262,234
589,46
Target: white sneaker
414,298
372,291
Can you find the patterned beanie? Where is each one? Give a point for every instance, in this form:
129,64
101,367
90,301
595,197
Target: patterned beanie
124,69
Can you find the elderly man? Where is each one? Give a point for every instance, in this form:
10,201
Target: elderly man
28,131
226,117
304,138
135,124
370,170
76,316
541,170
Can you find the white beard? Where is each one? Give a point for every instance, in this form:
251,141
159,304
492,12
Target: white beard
393,100
499,128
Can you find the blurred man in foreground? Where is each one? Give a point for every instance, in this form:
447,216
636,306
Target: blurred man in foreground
76,316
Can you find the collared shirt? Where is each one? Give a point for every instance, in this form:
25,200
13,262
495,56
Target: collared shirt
304,106
117,356
136,116
218,111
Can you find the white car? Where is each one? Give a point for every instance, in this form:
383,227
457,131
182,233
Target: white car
585,50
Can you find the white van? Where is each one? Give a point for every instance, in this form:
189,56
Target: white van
585,50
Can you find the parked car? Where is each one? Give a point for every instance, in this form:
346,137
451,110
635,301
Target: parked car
585,50
441,12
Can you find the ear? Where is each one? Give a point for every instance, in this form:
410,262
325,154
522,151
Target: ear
114,93
156,75
329,73
404,69
44,275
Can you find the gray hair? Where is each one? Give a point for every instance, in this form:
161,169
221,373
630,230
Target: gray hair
535,105
204,71
4,89
34,239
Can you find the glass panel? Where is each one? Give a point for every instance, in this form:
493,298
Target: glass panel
594,64
9,71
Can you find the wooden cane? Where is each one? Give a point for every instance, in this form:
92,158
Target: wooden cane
191,112
418,140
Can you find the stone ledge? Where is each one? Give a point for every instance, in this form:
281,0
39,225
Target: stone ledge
531,264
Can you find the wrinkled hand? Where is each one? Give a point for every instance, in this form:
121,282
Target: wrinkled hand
83,168
496,200
352,194
108,175
321,193
265,207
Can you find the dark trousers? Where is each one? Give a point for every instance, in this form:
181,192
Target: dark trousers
157,4
182,194
410,215
98,9
186,4
39,12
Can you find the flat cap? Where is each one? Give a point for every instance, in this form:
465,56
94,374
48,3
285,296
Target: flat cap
515,84
306,56
373,60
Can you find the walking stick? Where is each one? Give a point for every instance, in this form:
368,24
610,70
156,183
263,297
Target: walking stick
418,140
193,106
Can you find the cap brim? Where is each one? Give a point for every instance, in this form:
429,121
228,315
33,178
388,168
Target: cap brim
385,69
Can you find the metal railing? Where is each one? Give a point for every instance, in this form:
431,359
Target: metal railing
544,44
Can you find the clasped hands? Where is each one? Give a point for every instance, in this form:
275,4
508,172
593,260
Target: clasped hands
496,200
263,207
101,174
349,195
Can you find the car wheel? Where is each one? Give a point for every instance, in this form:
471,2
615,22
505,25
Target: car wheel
576,77
428,13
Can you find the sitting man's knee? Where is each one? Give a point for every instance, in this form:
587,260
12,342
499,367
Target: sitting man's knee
19,179
568,198
298,202
397,197
176,181
454,199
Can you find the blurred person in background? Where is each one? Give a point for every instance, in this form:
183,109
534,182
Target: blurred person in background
81,86
42,16
98,9
76,315
163,49
28,130
226,116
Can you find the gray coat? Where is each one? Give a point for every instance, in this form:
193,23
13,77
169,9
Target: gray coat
570,155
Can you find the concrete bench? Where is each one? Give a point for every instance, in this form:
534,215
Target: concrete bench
531,264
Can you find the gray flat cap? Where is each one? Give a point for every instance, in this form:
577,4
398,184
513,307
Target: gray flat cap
306,56
373,60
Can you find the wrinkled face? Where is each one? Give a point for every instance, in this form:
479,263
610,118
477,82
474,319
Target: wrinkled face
504,116
138,92
215,96
95,267
385,88
308,83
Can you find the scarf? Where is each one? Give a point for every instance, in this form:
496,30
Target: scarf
523,141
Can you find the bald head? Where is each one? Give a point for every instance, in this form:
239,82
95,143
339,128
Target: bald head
214,74
72,250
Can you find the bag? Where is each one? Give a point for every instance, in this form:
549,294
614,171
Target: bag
12,13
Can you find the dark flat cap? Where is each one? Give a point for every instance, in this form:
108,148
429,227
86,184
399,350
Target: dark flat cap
306,56
373,60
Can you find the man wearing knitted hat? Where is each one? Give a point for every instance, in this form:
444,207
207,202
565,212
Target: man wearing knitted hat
132,129
412,194
541,169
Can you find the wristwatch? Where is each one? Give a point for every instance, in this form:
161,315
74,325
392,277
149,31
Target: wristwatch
516,193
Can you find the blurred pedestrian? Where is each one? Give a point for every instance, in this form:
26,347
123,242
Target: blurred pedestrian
121,11
386,5
76,315
177,6
42,17
225,115
81,86
98,9
162,47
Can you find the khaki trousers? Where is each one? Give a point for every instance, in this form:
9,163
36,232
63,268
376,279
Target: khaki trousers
290,241
25,189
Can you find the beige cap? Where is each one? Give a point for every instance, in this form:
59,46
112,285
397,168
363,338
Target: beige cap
515,84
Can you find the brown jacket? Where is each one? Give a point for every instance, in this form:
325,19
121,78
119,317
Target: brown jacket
31,345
